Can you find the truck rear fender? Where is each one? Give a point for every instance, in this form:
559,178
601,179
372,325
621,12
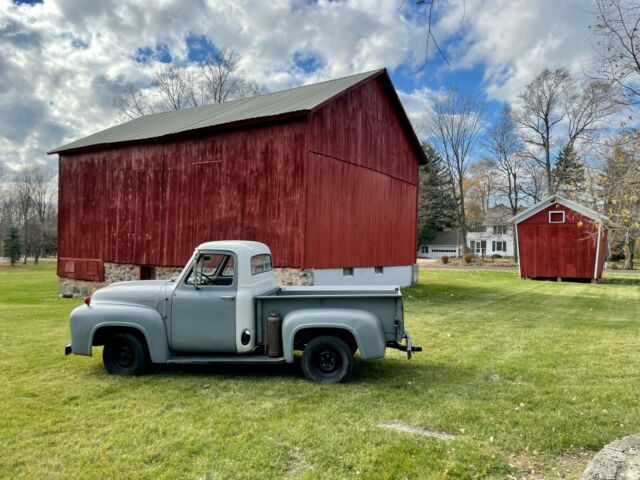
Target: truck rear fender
87,322
365,327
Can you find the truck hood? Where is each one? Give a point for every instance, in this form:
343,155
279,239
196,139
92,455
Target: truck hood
146,293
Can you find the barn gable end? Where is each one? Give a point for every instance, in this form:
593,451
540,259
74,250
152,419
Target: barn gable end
362,182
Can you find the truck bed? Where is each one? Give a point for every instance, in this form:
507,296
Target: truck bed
383,301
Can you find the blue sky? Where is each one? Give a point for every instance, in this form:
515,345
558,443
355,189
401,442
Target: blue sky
62,62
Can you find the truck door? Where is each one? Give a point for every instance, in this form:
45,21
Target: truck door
203,307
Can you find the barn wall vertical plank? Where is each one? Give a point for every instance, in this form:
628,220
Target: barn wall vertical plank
362,184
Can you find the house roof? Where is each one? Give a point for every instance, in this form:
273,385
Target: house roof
444,238
257,109
497,215
538,207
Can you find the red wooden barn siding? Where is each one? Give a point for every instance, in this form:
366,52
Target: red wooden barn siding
362,183
152,204
246,184
558,249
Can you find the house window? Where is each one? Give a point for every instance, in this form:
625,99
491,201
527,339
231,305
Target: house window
379,270
479,247
499,229
147,272
499,246
556,217
347,272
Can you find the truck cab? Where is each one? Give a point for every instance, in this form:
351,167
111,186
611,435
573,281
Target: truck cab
225,307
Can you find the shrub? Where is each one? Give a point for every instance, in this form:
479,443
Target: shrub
613,266
444,259
468,257
496,255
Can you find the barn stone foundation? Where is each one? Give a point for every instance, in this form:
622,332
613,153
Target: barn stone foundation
293,276
117,272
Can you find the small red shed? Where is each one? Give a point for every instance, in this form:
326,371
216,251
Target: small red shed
559,238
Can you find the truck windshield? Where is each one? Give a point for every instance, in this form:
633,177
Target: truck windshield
212,269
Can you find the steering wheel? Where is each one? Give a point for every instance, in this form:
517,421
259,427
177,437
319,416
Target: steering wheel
201,276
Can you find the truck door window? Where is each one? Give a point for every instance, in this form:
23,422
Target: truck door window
212,269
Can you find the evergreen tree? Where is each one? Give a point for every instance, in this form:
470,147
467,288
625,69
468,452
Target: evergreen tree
436,204
12,246
569,174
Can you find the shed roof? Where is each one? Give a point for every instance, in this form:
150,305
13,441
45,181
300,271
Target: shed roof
260,108
538,207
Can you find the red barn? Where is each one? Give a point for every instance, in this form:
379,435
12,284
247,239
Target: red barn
325,174
558,238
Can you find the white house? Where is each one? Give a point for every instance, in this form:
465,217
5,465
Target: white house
496,238
497,235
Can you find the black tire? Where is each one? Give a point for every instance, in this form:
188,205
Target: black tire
327,359
124,354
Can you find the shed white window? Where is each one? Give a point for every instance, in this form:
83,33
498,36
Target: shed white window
556,216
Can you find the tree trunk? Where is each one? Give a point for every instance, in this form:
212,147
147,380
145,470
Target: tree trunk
26,229
462,220
515,245
548,170
629,247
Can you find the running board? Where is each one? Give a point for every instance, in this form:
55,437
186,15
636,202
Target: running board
224,360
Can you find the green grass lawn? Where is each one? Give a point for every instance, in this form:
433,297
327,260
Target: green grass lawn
527,376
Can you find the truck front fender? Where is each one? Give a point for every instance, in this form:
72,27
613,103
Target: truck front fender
85,321
365,327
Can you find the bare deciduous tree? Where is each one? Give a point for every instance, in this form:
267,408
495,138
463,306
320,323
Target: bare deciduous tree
133,104
506,148
556,110
617,29
43,206
176,86
538,110
24,179
222,81
534,180
483,182
622,194
453,125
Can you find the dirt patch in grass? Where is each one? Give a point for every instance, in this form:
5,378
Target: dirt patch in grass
297,464
399,426
569,465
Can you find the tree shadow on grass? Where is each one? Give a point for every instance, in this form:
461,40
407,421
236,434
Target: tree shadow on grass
629,281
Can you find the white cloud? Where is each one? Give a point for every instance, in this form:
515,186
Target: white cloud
417,103
62,62
514,40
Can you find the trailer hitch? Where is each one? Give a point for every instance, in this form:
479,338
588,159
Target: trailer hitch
408,346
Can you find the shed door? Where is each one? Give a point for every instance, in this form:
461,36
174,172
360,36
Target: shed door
203,307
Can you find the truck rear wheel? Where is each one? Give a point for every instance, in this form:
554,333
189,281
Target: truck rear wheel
124,354
327,359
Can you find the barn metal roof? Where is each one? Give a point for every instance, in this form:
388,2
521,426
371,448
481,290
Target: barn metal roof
287,102
538,207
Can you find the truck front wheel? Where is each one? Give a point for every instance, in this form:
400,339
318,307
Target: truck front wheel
124,354
327,359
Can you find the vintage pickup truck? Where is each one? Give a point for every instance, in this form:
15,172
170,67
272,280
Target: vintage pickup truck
225,308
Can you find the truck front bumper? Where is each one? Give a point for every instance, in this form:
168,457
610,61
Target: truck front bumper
408,346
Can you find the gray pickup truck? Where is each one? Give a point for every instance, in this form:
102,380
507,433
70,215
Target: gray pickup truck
225,308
